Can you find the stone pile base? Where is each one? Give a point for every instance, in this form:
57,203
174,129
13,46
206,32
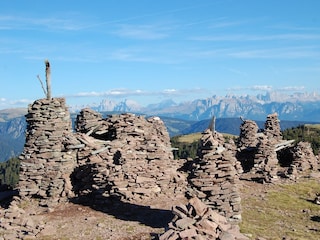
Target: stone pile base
198,221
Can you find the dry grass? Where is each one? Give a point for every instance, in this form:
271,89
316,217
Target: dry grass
313,126
190,138
282,210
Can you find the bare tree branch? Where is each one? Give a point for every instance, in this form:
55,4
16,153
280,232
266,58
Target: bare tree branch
45,93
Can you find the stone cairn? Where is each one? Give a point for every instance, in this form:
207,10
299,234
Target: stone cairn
46,164
198,221
257,149
272,128
265,160
304,158
125,156
45,168
248,135
214,179
247,144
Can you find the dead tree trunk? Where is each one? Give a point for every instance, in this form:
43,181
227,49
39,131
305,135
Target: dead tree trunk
48,79
212,125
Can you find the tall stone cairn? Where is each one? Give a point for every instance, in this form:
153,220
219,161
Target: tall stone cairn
248,135
126,156
46,164
272,128
304,158
214,179
265,160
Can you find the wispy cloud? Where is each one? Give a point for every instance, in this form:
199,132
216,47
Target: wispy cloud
256,52
261,88
291,88
292,27
141,32
268,88
224,23
120,93
132,55
250,37
280,53
14,103
9,22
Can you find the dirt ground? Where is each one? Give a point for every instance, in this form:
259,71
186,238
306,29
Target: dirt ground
114,220
117,220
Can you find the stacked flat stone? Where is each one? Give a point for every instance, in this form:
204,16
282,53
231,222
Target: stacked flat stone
231,148
86,119
214,177
304,158
265,160
272,128
196,220
46,164
256,150
248,135
127,156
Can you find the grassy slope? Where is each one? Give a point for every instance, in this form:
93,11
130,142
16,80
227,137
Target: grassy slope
273,211
282,210
190,138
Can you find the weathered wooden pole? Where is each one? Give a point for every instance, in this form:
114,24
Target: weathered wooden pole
212,125
48,79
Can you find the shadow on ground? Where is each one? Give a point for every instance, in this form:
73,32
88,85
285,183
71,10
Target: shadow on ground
315,218
152,217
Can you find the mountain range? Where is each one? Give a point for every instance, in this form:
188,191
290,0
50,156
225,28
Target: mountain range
297,106
184,118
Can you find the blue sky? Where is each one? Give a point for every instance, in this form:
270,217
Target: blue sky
150,51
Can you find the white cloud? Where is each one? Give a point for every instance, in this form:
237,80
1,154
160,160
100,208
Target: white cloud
119,93
67,22
252,88
170,91
291,88
14,103
261,88
279,53
250,37
268,88
142,32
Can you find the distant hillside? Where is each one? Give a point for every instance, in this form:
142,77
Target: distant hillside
8,114
12,137
232,125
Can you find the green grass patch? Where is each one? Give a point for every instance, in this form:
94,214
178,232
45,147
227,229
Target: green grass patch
284,211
